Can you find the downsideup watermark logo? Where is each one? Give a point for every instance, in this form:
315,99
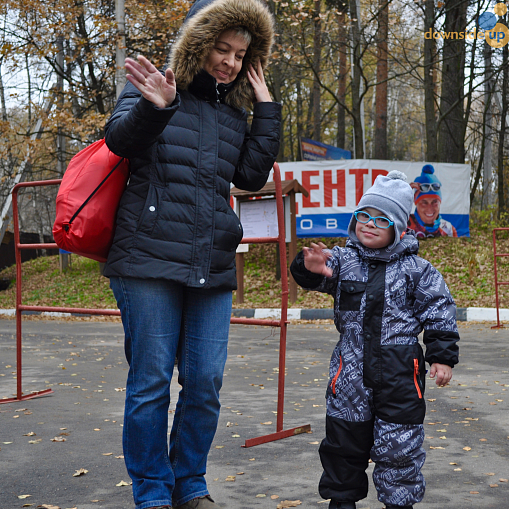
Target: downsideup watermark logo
494,33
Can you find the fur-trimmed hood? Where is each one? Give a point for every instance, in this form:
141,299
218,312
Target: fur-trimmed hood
203,25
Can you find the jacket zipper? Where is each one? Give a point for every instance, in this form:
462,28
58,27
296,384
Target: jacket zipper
333,383
416,372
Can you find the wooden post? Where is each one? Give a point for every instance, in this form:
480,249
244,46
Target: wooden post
65,261
293,246
239,257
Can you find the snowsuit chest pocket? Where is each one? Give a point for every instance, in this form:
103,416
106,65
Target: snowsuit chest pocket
351,295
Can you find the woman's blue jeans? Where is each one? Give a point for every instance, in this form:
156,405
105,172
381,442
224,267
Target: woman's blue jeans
163,320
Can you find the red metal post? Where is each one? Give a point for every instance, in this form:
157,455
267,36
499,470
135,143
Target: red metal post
497,282
282,322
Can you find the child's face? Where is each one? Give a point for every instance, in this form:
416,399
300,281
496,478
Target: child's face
371,236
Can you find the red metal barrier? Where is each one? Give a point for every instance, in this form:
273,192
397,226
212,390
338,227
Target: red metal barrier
497,282
282,322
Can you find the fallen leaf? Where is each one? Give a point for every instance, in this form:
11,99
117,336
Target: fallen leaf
31,434
122,483
107,453
230,478
483,440
443,438
493,485
121,457
452,463
274,497
235,436
467,448
240,473
474,493
266,423
79,472
21,497
503,480
251,459
219,446
457,469
489,473
21,410
288,503
431,447
36,441
48,506
434,399
58,439
313,443
261,495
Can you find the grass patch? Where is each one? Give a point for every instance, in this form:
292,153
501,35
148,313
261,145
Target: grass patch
466,264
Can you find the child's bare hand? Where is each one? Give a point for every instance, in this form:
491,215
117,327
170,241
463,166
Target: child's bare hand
315,259
442,372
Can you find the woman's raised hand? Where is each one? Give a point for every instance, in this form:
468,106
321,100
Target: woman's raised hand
315,259
156,88
257,80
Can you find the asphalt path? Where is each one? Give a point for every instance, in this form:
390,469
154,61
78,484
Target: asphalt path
46,442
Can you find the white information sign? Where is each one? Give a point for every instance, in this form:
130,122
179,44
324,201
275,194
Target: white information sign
259,218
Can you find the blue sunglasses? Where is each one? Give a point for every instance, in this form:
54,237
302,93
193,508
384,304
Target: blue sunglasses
379,222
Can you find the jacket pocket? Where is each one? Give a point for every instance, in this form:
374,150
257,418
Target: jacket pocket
336,376
150,212
351,295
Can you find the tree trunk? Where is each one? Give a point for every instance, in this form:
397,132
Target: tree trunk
277,82
487,138
300,129
451,142
120,78
356,82
501,138
381,78
342,71
429,82
317,62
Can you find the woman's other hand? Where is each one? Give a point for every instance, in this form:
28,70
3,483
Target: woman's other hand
156,88
257,80
315,259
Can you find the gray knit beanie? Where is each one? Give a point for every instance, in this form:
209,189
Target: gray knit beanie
392,196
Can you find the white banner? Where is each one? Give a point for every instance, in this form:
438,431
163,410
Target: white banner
335,188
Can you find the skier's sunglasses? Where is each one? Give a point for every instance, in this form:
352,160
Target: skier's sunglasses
435,186
379,222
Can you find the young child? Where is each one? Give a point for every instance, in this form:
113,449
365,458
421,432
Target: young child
384,296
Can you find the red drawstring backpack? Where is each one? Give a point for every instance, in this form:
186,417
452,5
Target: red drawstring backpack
87,201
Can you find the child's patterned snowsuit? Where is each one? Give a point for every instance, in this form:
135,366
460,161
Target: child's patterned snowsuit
383,299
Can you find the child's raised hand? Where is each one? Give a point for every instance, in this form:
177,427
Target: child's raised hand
443,373
315,259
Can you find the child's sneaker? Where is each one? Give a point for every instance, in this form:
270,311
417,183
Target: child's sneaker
341,505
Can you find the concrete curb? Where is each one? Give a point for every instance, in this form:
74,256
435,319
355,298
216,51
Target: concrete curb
463,314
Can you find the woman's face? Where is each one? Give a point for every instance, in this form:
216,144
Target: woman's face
225,60
428,209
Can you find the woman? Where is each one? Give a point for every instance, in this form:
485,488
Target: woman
172,263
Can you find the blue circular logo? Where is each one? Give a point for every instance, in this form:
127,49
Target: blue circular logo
487,21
